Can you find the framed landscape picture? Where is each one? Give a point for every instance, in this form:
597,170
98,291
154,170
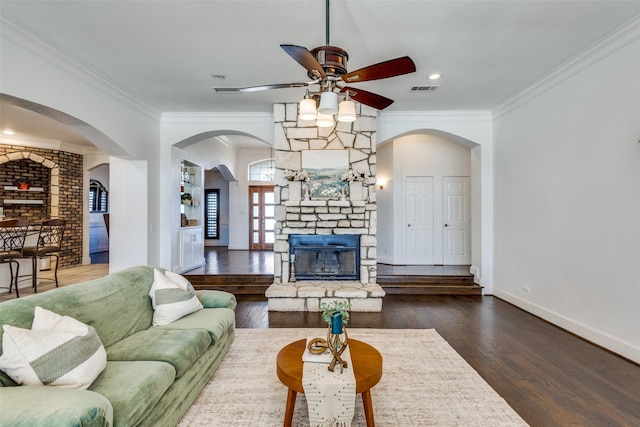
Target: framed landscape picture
325,168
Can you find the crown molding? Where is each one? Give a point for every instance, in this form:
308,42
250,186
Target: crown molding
59,59
207,117
448,116
599,50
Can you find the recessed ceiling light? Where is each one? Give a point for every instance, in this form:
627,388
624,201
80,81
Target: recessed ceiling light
434,76
8,132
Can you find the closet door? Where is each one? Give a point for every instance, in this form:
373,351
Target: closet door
419,224
456,217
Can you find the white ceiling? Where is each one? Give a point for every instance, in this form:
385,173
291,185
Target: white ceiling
164,53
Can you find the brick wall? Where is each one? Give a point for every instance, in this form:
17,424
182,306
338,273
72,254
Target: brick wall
60,174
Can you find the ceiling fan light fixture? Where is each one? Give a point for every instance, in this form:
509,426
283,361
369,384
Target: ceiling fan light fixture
324,120
347,111
307,109
328,103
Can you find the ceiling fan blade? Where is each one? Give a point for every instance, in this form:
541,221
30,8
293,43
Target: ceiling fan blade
262,87
306,59
382,70
371,99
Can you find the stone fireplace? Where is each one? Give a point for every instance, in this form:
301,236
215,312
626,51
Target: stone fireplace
328,243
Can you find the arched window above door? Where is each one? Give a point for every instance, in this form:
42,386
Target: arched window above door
262,170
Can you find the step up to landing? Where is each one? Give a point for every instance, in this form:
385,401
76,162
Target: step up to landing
429,285
258,284
239,284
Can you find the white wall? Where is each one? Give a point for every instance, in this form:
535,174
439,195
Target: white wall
124,176
384,203
567,213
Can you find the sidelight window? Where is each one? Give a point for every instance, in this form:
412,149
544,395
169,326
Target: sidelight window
212,214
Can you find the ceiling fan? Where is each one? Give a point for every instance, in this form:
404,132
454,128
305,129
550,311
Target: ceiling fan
327,67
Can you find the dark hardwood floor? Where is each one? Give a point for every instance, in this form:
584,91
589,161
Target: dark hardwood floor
549,376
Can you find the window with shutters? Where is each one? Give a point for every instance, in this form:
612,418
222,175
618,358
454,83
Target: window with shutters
212,214
98,197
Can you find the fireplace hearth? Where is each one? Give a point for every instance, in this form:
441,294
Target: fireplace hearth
325,257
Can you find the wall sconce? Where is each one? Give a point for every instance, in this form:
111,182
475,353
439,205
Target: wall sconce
381,183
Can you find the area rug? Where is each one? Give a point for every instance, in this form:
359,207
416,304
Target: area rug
424,383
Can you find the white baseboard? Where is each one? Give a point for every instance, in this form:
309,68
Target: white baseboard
384,260
601,338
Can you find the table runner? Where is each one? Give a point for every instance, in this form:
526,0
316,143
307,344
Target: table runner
331,396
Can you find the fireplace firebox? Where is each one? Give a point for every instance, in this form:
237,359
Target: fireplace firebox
325,257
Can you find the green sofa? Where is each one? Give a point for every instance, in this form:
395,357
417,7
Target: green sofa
153,374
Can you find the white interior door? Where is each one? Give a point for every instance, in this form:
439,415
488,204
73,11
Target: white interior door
419,219
456,217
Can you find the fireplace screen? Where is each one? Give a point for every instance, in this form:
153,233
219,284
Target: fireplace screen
326,257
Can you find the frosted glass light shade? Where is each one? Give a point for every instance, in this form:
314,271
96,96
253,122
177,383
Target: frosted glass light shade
324,120
307,109
347,112
328,103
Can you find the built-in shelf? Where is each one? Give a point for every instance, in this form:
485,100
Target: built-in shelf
22,202
14,188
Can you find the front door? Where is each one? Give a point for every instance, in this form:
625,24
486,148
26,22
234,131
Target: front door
456,217
419,219
262,218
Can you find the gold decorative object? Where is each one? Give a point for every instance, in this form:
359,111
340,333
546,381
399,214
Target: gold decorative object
317,346
336,343
337,346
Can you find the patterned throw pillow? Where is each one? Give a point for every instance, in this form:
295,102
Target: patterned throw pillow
56,351
172,297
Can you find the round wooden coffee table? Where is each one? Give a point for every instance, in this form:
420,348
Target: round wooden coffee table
367,368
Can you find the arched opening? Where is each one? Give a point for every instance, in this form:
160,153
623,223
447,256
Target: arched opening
223,157
67,148
428,209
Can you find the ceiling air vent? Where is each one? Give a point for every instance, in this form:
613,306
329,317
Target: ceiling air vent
226,89
424,88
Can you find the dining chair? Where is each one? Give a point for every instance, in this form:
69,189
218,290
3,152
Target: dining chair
12,235
49,244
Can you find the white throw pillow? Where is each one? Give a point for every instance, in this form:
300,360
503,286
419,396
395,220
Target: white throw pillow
56,351
172,297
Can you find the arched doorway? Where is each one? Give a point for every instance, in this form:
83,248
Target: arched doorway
424,210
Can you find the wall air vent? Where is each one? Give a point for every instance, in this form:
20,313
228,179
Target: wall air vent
226,89
424,88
